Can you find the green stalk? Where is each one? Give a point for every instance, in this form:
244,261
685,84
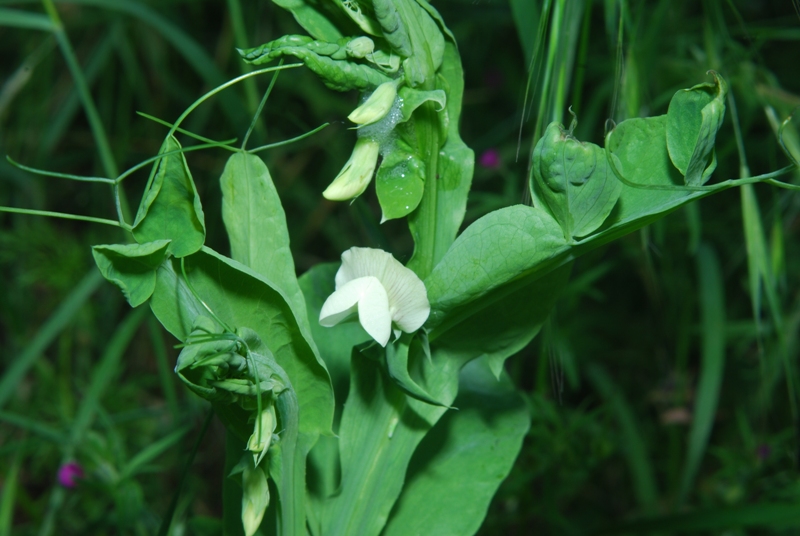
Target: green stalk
425,216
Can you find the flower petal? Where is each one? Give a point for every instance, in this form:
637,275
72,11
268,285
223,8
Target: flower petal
362,262
373,312
365,295
344,302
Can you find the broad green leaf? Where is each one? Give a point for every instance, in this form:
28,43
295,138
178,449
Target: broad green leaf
313,17
413,98
501,323
380,429
242,298
131,267
459,465
574,181
170,208
337,74
641,148
335,346
256,226
454,165
490,252
400,182
693,119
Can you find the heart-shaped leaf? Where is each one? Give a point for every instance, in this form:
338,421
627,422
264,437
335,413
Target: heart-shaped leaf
693,119
572,181
131,267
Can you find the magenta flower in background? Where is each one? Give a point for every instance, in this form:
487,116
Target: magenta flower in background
490,159
69,473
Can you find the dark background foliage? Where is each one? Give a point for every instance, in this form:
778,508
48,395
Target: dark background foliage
615,371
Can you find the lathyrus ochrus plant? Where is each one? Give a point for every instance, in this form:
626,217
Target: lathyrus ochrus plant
437,331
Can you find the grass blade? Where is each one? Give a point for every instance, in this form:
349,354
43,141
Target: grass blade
151,452
712,312
65,313
642,474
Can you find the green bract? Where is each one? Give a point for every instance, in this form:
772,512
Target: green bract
573,182
694,117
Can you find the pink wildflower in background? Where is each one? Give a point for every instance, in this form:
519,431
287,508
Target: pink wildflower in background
490,159
69,473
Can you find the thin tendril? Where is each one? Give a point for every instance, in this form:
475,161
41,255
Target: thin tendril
64,216
290,140
189,133
58,175
261,106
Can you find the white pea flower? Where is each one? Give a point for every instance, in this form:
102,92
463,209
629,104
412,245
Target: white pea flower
385,294
354,177
376,106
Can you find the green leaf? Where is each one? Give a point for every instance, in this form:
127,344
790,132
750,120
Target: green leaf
400,182
426,41
490,252
241,297
459,465
413,98
694,117
397,360
641,148
380,429
131,267
501,323
256,226
311,15
170,207
574,181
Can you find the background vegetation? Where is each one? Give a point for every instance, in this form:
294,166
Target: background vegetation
663,389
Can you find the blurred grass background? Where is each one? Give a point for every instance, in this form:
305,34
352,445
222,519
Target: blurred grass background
663,389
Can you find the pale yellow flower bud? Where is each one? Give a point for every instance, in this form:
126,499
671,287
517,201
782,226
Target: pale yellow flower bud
376,106
356,173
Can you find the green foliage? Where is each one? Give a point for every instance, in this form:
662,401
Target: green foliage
132,267
634,338
170,208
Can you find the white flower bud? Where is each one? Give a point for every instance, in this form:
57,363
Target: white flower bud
354,177
376,106
255,498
